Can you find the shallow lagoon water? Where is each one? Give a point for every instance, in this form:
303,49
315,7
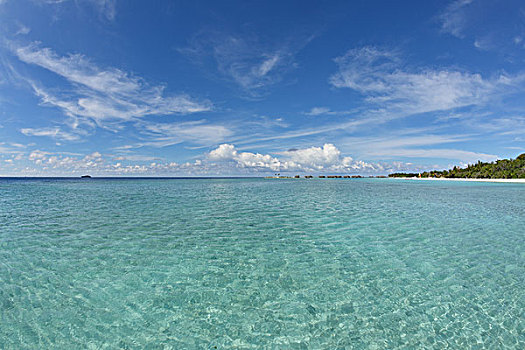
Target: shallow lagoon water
261,263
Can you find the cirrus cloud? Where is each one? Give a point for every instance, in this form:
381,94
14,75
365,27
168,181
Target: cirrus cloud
56,133
107,96
379,75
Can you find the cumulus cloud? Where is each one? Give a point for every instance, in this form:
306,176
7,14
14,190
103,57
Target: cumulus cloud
316,157
329,159
226,159
223,152
227,152
49,163
107,96
38,156
313,159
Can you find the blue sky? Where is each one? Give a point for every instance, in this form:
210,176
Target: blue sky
139,88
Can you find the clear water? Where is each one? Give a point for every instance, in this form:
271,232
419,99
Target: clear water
255,263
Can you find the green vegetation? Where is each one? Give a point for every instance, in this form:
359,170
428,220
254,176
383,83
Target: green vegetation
500,169
404,175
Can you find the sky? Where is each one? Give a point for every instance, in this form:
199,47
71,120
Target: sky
251,88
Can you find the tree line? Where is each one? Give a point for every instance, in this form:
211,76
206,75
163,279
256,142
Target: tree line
500,169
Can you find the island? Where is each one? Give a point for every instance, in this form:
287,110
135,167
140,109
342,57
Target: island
85,177
500,169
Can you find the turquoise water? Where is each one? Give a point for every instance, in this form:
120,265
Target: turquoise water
256,263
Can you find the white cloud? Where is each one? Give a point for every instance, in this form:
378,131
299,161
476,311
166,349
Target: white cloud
10,148
266,66
504,125
56,133
22,30
384,143
6,150
414,143
441,153
48,163
96,156
77,69
106,97
484,43
106,7
225,160
380,76
137,158
38,156
318,111
197,132
244,59
453,20
266,122
223,152
257,160
227,152
481,23
249,66
313,159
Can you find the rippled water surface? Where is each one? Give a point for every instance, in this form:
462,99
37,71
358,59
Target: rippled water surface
256,263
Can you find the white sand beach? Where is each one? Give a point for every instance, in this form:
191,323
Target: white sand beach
463,179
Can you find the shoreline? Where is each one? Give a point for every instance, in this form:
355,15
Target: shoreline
460,179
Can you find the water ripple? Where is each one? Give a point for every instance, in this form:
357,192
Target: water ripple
252,263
